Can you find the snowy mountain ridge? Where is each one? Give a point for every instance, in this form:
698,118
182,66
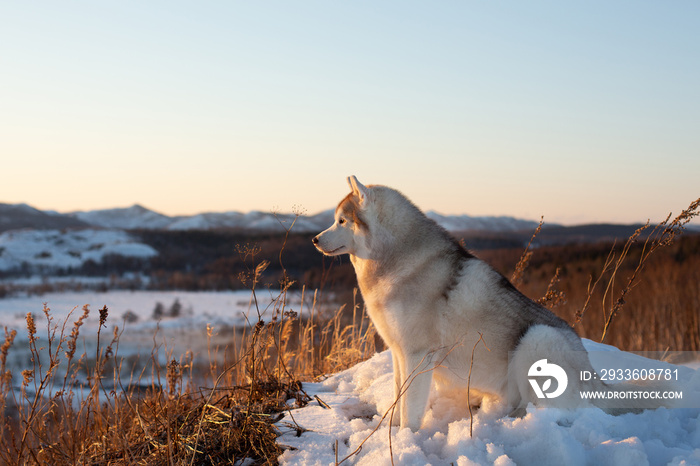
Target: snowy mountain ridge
138,217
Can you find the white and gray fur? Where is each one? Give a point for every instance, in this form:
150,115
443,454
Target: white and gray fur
430,301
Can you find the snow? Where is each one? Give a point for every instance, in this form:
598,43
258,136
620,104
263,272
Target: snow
543,437
64,249
199,308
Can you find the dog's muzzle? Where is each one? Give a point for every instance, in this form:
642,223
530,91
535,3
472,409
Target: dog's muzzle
332,252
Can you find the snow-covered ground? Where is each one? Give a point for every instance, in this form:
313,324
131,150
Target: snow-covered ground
64,249
545,436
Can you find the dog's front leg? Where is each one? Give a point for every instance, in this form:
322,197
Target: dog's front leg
399,375
416,388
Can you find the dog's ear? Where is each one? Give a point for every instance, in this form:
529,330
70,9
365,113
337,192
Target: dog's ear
358,189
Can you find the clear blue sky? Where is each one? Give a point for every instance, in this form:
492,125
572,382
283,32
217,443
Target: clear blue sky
578,111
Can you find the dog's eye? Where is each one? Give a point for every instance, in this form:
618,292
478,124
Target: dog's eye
341,221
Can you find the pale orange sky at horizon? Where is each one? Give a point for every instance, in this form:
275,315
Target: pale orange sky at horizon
578,113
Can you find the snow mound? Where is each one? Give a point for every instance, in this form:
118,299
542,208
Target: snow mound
544,436
55,249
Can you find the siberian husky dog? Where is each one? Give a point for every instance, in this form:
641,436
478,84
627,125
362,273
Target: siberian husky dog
432,301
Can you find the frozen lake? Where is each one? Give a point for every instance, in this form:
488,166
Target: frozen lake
181,317
229,308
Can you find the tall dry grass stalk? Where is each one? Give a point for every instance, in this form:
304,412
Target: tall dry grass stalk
517,276
664,234
661,314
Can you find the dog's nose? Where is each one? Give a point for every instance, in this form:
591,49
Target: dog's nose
315,240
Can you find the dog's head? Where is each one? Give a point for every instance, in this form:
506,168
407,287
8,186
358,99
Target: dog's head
349,232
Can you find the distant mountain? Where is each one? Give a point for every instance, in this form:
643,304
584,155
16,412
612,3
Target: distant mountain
21,216
137,217
129,218
468,223
16,216
253,220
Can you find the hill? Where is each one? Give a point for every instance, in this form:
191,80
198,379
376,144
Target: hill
139,217
17,216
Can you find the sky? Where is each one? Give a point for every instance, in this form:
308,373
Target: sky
575,111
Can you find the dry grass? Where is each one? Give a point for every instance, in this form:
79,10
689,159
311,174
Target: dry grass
643,295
